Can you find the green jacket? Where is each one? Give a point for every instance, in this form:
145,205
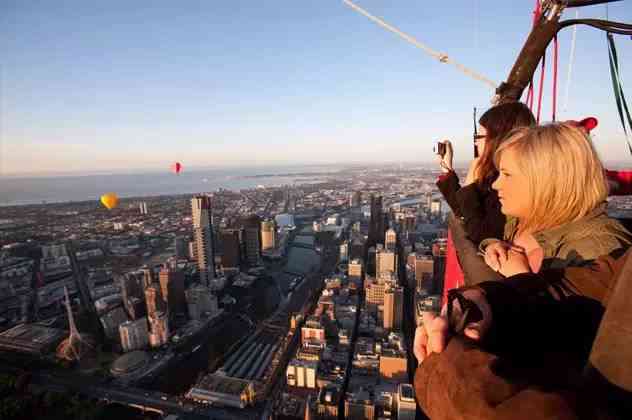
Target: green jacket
576,243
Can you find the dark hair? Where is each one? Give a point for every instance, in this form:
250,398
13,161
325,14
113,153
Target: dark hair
499,121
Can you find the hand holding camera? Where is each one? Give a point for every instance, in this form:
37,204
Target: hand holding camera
443,149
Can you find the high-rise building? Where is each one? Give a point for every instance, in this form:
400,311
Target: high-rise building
424,271
154,301
135,307
344,251
376,222
390,239
231,248
268,235
428,200
355,199
172,289
385,261
200,300
355,271
134,334
406,406
203,234
148,277
143,207
132,293
393,308
435,207
180,244
159,327
252,226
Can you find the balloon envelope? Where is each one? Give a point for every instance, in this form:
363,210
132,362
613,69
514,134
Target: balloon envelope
109,200
176,167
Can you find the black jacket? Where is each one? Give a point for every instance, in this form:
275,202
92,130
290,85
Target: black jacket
476,205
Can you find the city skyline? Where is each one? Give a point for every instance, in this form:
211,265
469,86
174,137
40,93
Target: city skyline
135,87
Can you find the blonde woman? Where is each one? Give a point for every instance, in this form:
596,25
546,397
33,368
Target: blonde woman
552,188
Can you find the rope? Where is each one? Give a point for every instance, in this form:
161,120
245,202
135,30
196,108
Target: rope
555,54
443,58
571,60
619,96
541,86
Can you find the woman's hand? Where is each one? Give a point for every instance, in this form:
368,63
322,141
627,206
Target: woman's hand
496,254
515,263
432,335
445,161
471,173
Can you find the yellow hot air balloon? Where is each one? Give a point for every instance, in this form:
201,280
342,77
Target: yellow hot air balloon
109,200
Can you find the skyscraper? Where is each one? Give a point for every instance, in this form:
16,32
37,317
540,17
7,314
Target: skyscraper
180,244
252,226
148,277
231,249
159,327
200,300
134,334
393,308
390,239
203,234
355,199
172,289
268,235
154,301
132,293
385,261
376,222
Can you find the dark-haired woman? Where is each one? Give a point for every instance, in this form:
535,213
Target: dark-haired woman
474,202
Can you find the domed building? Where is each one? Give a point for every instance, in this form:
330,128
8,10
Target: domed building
129,363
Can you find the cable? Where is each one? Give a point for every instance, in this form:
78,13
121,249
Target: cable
555,54
541,86
571,60
443,58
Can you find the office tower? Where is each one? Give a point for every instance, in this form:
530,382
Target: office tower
180,244
385,261
203,234
355,199
200,301
132,293
428,200
376,222
438,274
424,271
134,334
172,289
268,235
159,327
390,239
358,247
328,401
344,251
406,406
143,207
251,233
231,247
154,300
148,277
355,271
435,207
393,308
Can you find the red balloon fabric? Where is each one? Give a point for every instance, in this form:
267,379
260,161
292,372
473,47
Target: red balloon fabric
176,167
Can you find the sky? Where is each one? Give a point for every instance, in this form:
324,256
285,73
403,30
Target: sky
123,86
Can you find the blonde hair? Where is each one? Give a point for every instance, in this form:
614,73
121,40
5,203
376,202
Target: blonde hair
566,177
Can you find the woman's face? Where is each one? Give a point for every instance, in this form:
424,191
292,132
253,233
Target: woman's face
479,140
512,186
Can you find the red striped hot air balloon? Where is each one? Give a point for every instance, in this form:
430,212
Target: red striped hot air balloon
176,167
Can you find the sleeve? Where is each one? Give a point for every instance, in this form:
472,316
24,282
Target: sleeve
481,220
448,184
